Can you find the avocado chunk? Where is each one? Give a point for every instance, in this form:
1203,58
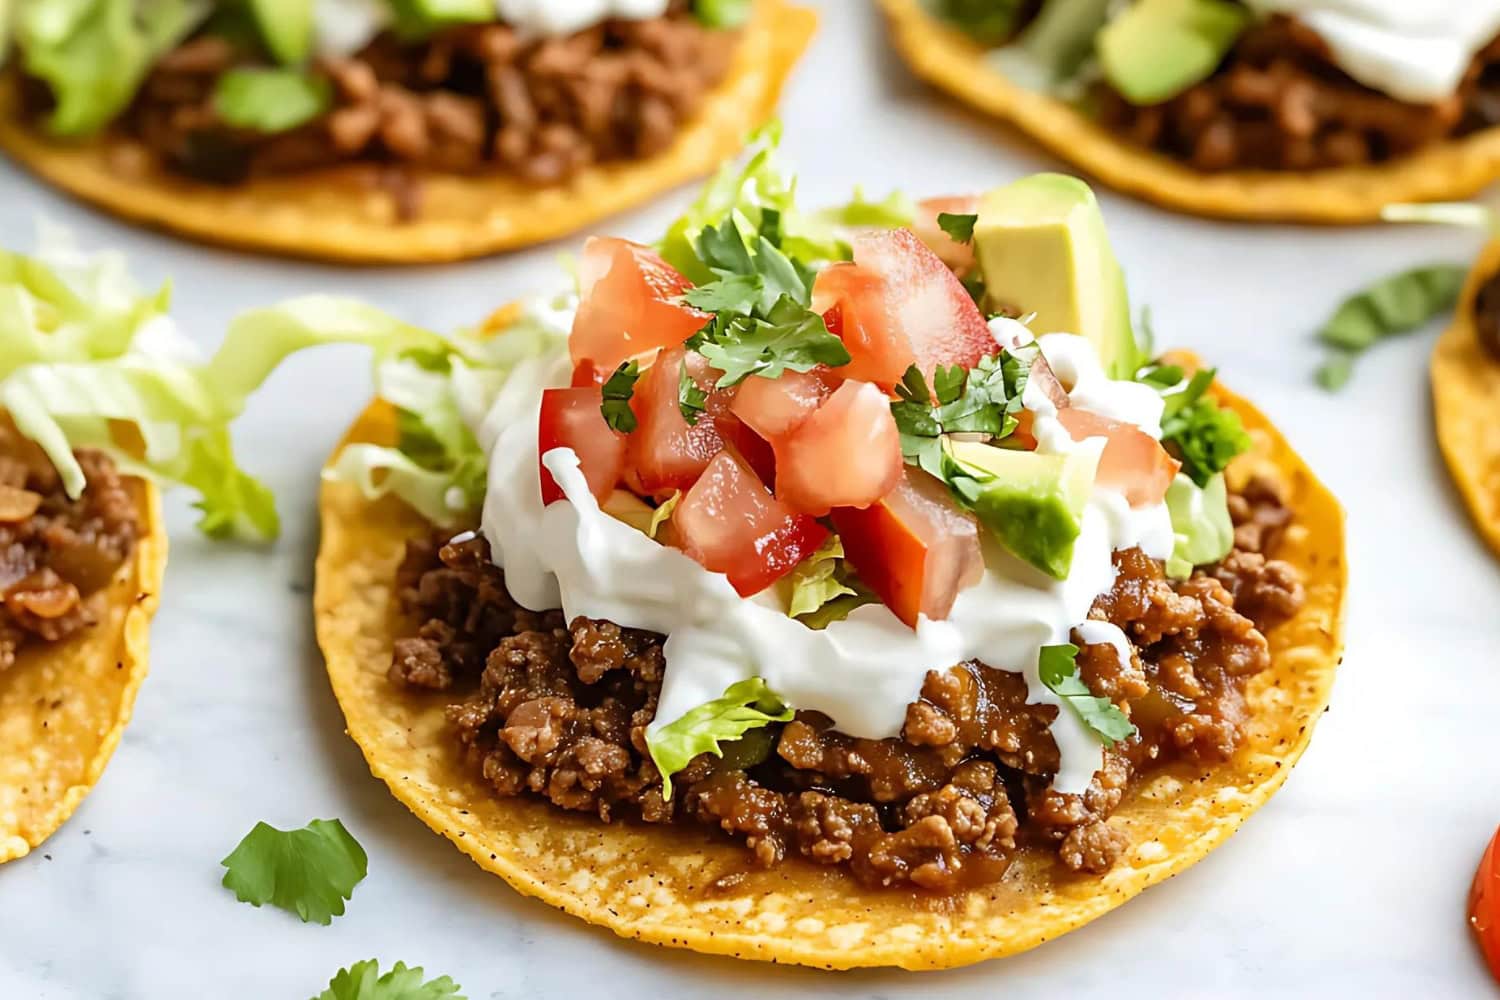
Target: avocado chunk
1042,248
1156,49
1032,503
286,26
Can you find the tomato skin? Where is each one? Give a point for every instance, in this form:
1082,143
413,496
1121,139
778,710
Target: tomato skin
731,524
846,453
855,298
571,418
626,304
1484,906
586,374
1133,462
773,408
958,256
915,548
665,452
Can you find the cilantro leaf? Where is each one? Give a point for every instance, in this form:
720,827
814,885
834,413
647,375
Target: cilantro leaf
617,391
309,872
1199,433
733,293
1059,671
363,981
1394,305
745,705
959,227
791,337
691,400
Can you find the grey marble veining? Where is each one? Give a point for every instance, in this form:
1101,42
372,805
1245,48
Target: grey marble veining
1350,883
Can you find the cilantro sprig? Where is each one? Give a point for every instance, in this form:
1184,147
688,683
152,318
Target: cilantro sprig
1058,666
309,872
617,390
983,400
1199,433
691,400
958,226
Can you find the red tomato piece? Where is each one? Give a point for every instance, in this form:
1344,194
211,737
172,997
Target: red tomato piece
755,449
571,419
925,303
1484,906
846,453
665,452
773,407
915,548
627,304
732,524
586,374
1133,463
958,256
852,301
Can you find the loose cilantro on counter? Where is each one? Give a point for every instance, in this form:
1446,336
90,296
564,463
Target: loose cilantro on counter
363,981
1395,305
1058,667
744,706
309,872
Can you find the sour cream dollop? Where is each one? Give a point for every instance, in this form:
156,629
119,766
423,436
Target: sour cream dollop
1413,50
863,671
343,27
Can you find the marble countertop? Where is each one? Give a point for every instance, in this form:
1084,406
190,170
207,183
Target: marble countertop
1351,882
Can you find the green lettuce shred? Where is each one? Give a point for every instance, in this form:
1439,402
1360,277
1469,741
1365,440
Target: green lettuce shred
817,580
745,705
894,210
1200,524
271,100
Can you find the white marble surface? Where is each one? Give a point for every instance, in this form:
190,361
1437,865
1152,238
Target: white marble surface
1350,883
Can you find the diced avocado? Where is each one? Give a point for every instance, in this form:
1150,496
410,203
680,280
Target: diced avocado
286,26
1043,249
1032,503
1156,49
1054,47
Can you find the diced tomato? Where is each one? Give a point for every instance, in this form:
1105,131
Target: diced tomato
665,452
852,300
846,453
753,448
626,304
732,524
773,407
571,419
1484,905
915,548
586,374
925,303
1134,463
958,256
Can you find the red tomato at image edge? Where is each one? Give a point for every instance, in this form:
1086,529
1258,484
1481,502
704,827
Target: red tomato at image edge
1484,906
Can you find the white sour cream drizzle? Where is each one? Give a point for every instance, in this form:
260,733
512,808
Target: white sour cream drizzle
1413,50
862,672
343,27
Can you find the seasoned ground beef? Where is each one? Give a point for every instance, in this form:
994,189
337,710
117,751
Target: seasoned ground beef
1487,315
471,98
55,552
559,709
1280,103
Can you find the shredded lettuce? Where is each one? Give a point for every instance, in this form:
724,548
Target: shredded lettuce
894,210
745,705
1054,53
93,54
271,100
1200,524
816,580
622,505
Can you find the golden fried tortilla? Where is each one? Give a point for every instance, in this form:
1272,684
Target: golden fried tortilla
340,214
946,57
63,705
656,883
1465,393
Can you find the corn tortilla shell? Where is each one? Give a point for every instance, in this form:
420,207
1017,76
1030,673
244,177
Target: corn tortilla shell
1465,396
63,705
654,883
340,214
945,57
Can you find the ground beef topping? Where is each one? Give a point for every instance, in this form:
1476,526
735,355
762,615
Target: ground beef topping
1279,102
559,710
1487,315
470,98
55,552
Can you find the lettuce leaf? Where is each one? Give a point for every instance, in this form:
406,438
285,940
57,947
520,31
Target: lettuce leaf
271,100
816,580
745,705
895,209
1200,524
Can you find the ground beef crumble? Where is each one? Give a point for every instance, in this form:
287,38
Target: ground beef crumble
471,98
55,552
559,710
1279,102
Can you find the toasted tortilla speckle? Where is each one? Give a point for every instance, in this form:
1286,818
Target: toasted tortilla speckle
658,883
63,705
1465,397
341,214
947,58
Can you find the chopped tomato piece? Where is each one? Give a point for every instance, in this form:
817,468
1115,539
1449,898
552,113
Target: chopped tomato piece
773,407
665,452
1484,905
925,304
585,374
571,419
958,256
846,453
627,304
1134,463
915,548
755,449
732,524
853,303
